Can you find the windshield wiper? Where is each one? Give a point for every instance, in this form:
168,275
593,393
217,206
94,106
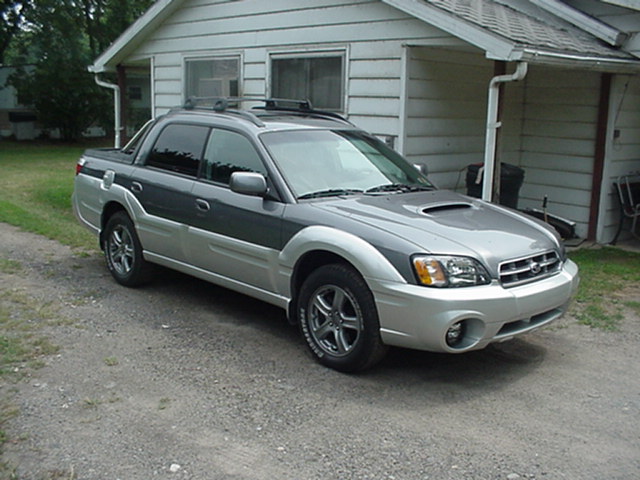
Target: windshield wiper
332,192
398,187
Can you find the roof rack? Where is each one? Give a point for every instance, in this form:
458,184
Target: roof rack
221,104
302,107
294,106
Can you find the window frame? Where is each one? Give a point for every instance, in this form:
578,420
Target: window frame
186,59
341,52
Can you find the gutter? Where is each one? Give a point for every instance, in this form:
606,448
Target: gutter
582,61
116,107
541,56
492,127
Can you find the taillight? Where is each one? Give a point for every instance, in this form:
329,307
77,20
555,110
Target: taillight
80,164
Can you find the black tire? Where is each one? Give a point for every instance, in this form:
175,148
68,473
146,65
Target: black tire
123,252
339,320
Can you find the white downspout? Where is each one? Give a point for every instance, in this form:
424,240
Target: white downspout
493,125
116,108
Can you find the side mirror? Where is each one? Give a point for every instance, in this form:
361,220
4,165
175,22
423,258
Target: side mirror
248,183
422,168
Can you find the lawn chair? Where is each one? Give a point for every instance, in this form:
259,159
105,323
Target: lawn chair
628,188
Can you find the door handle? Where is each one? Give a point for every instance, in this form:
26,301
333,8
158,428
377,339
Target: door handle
202,205
136,187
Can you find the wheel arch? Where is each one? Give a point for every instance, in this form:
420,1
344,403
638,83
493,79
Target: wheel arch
110,209
306,264
316,246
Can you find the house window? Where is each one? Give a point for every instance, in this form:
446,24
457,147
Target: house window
317,78
212,77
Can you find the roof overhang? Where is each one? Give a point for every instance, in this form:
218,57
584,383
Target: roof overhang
497,47
632,4
133,36
583,21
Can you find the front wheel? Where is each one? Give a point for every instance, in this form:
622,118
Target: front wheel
339,320
123,252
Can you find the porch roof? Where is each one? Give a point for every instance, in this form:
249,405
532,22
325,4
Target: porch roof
536,31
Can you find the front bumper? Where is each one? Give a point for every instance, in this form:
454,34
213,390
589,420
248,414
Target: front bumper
413,316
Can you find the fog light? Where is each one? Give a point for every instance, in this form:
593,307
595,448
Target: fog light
455,334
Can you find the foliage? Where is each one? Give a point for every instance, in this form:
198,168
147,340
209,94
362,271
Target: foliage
62,37
12,18
604,274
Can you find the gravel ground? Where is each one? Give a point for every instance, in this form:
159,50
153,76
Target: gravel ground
184,380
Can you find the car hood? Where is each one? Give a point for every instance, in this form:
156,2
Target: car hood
444,222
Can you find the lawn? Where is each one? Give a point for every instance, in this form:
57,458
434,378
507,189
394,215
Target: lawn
609,278
36,183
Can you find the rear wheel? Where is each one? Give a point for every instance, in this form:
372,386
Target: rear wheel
339,320
123,252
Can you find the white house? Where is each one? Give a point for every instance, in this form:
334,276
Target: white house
564,102
16,120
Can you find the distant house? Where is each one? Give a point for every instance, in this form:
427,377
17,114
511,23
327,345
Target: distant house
418,73
20,122
16,120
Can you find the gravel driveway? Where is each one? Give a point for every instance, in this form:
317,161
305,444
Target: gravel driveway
184,380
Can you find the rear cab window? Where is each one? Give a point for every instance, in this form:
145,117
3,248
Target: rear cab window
179,149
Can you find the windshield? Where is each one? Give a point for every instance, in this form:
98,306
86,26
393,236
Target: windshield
319,163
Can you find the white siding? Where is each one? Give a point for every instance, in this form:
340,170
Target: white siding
368,31
548,127
446,112
623,149
559,123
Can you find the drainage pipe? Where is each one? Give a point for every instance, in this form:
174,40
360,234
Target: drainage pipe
492,127
116,108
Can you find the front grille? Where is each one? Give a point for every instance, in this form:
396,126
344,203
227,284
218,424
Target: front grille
530,269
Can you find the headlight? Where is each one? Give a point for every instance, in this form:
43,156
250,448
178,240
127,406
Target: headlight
448,271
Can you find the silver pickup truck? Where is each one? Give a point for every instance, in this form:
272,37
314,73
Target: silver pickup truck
301,209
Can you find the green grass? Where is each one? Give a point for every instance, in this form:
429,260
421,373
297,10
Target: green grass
605,273
36,183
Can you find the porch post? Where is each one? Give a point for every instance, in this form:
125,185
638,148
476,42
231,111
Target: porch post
122,83
499,68
599,154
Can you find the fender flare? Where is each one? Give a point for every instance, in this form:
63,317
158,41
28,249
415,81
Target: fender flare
367,259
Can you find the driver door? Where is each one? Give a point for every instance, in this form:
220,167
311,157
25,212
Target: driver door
234,235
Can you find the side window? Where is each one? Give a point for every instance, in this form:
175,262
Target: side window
179,149
229,152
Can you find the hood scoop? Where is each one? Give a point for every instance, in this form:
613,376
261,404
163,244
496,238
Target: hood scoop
444,207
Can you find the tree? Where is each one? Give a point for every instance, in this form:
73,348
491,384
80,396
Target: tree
64,36
12,18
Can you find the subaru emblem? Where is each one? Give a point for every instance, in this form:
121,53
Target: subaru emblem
535,268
